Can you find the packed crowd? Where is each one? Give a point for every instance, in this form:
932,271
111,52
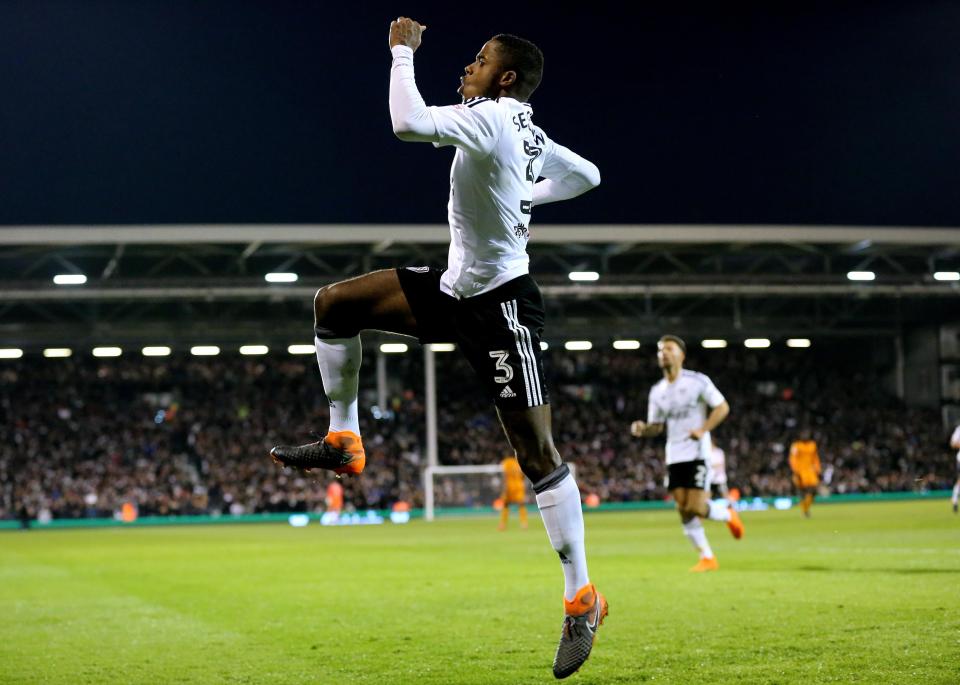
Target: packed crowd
181,435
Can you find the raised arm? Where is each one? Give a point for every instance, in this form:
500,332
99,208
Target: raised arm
408,112
473,126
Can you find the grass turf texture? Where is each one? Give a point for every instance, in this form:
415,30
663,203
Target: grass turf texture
860,593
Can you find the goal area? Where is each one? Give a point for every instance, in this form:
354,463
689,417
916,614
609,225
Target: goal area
463,489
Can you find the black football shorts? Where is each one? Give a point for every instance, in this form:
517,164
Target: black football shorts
498,331
687,474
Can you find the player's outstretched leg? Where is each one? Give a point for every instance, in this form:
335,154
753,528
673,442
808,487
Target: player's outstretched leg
718,512
558,498
584,608
342,310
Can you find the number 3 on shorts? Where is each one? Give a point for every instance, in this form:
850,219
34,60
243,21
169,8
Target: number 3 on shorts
502,366
700,477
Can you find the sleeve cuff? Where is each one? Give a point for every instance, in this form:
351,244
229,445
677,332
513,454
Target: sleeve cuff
401,51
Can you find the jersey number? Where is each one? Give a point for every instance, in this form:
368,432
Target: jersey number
501,356
700,477
534,152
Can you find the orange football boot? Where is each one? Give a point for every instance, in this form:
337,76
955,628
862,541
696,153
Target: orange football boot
340,452
735,524
705,564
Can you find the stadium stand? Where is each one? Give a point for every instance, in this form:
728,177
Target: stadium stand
189,435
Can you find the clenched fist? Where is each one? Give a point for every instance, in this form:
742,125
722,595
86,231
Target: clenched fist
405,31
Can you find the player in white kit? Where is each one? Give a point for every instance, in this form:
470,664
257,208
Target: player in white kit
955,444
484,300
690,406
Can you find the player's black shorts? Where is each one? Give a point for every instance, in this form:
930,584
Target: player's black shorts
498,331
687,474
716,491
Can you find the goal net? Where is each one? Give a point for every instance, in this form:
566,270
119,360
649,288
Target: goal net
465,487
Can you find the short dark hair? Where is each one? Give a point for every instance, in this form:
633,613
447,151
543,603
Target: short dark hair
520,55
676,339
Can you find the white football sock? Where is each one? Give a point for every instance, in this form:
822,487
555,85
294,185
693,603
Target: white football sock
956,493
563,519
718,512
693,529
339,360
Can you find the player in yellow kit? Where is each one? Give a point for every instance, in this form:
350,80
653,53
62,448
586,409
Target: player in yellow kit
805,464
514,492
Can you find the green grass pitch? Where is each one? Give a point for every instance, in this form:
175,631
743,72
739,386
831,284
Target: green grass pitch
860,593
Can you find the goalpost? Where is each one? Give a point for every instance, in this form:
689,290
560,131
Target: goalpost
475,486
487,478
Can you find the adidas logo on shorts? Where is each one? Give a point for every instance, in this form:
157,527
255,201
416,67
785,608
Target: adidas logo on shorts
507,392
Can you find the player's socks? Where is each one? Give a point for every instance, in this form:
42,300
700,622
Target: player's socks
807,503
339,360
523,516
504,513
717,511
694,531
558,498
956,496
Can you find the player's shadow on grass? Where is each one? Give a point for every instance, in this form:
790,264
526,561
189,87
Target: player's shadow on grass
902,571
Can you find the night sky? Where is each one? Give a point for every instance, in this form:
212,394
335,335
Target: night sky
275,112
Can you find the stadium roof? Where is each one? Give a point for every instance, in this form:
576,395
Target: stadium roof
193,282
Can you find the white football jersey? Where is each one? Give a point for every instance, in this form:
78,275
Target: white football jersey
955,438
500,155
718,467
683,405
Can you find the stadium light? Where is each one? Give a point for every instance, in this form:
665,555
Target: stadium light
302,349
626,344
713,344
861,275
443,347
69,279
947,276
578,345
584,276
106,352
11,353
156,351
393,348
254,349
798,342
55,352
204,350
544,346
281,277
756,343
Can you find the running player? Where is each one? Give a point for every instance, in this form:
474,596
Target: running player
485,300
805,465
514,492
691,406
955,444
